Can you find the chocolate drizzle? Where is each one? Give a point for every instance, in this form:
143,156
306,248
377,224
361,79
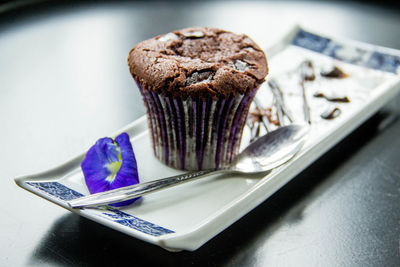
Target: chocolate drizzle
261,113
257,118
343,99
331,113
306,74
307,71
277,114
265,116
279,102
335,72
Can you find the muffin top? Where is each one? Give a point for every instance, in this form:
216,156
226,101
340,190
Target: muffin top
198,62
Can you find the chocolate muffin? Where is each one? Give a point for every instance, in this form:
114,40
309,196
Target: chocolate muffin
197,85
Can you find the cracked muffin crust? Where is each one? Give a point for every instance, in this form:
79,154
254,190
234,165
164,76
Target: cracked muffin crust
198,62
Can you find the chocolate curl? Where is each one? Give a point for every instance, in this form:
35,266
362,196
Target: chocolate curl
343,99
279,102
306,74
334,72
255,131
254,122
262,117
279,112
331,113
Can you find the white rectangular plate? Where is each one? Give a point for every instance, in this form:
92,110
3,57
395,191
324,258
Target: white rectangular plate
187,216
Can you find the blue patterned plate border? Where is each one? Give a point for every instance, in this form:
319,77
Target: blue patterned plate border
347,53
64,193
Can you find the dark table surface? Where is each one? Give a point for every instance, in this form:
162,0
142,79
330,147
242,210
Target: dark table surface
64,82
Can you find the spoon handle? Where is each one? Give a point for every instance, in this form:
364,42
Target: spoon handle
133,191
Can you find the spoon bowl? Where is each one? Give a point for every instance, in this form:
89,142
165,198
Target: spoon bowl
271,150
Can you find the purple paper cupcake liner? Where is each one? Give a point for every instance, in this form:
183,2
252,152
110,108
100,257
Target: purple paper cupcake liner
196,133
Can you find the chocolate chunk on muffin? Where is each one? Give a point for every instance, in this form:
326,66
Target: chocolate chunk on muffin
197,85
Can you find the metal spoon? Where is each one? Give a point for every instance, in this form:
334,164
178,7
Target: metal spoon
262,155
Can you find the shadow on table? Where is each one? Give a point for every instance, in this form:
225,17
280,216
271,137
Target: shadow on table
74,240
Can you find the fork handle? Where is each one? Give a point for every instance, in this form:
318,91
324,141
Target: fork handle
133,191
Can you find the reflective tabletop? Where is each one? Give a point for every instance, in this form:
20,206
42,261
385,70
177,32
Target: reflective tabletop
64,83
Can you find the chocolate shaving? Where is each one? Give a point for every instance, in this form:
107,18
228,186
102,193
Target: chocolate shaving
269,115
307,71
306,74
335,72
331,114
259,114
255,132
254,122
279,112
343,99
258,117
279,102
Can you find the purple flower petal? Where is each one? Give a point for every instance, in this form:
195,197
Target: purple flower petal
109,165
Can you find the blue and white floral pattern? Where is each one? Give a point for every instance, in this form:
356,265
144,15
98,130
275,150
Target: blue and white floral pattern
65,193
136,223
347,53
384,62
57,190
